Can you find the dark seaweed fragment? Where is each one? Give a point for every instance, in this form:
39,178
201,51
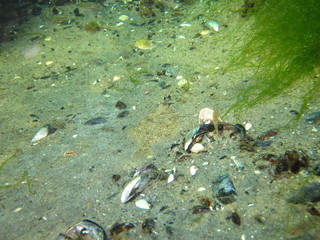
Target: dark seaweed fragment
95,121
292,161
149,225
118,228
200,209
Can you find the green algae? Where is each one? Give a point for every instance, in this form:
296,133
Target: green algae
24,176
283,49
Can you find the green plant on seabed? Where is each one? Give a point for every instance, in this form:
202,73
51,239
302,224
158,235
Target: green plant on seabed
24,176
284,49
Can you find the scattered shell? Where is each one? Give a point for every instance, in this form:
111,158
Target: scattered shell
201,189
171,173
212,25
313,118
197,148
237,162
247,126
143,204
43,132
193,170
140,181
185,25
85,229
205,32
124,18
170,178
144,44
127,192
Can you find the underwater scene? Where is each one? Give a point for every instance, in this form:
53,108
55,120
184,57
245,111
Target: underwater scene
159,119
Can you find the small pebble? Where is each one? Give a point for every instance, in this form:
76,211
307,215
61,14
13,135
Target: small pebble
121,105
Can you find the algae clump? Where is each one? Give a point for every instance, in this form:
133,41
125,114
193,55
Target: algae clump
283,49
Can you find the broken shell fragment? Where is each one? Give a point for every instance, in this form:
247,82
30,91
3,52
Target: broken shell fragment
143,204
84,230
193,170
171,173
43,132
170,178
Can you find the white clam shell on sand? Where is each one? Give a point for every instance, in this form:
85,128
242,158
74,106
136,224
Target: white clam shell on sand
42,133
196,148
143,204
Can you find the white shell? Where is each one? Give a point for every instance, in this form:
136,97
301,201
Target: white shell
196,148
201,189
187,143
123,18
143,204
213,25
125,196
193,170
247,126
42,133
170,178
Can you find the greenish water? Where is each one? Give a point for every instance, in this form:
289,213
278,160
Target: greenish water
55,72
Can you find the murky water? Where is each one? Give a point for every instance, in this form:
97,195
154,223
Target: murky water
54,71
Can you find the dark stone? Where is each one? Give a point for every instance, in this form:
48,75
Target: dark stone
121,105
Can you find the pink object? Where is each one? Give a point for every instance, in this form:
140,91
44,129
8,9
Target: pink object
206,115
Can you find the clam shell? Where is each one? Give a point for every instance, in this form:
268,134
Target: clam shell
127,192
143,204
42,133
197,147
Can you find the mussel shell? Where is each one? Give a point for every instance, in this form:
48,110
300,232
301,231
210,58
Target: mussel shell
139,183
196,135
84,230
313,118
225,191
